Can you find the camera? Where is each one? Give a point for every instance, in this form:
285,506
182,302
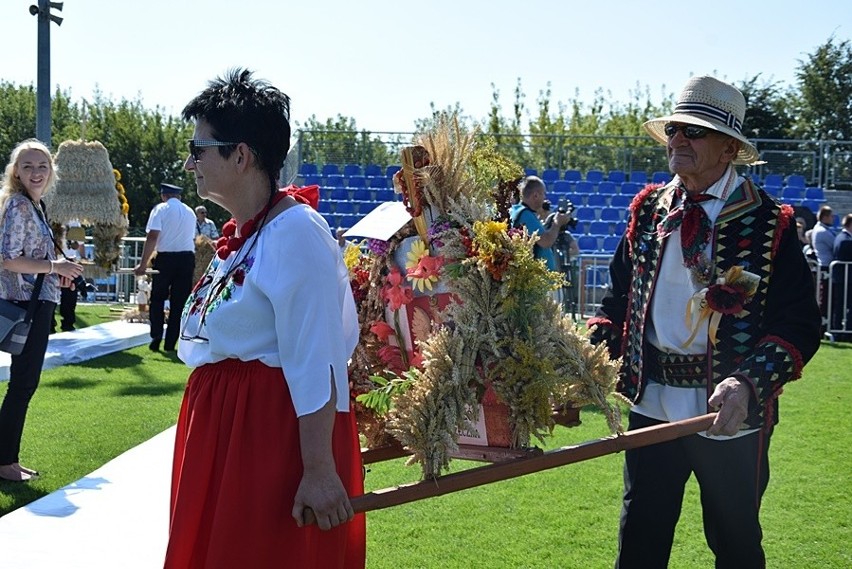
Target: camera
83,287
566,207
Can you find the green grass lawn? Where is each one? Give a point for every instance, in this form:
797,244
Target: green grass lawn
83,415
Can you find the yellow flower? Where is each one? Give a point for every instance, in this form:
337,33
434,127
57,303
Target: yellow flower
420,268
351,255
418,250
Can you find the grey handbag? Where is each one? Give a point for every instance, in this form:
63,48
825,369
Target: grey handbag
15,321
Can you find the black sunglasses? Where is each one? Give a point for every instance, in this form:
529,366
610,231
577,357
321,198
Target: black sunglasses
690,131
195,145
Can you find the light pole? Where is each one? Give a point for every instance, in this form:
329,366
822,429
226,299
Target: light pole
43,122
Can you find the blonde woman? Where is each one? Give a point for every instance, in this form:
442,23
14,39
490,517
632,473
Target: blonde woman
27,250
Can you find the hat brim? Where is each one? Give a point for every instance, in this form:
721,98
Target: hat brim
656,128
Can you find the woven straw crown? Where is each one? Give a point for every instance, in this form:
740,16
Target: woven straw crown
706,101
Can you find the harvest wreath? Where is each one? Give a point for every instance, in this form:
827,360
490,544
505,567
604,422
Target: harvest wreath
456,316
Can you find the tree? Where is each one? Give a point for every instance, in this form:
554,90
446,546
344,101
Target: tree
767,109
824,102
338,141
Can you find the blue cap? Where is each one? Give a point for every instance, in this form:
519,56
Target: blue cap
170,189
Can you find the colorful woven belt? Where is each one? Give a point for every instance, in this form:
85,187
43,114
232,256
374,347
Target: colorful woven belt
677,370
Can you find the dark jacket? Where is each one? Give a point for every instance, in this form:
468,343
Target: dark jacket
769,345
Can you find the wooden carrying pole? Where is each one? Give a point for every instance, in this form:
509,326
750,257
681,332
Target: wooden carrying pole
403,494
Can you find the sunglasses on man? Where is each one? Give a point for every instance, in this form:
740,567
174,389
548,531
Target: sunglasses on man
690,131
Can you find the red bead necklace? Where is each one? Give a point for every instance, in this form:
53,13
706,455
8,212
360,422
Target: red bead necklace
229,243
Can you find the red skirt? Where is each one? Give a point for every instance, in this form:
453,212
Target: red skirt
237,466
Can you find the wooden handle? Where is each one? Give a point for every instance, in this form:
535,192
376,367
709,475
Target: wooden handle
394,496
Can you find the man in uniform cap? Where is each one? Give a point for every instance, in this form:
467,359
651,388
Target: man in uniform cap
171,233
711,307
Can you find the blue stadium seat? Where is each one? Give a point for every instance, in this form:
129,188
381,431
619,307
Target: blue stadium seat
308,169
561,187
793,193
373,170
391,170
335,180
550,174
616,176
774,191
584,188
796,181
313,181
600,228
324,206
357,181
630,188
815,194
573,175
620,201
594,176
339,194
330,170
610,243
361,194
342,207
661,177
812,205
774,180
596,200
607,188
378,182
530,172
587,243
331,219
348,220
384,195
620,227
351,170
639,177
586,214
612,214
366,207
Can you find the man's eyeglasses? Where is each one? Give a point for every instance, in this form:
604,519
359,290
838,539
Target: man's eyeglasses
195,145
690,131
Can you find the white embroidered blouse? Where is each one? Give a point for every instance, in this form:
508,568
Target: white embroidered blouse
285,300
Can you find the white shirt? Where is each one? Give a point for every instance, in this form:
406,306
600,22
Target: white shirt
293,310
667,330
176,223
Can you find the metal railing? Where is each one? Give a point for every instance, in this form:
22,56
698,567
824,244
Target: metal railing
824,163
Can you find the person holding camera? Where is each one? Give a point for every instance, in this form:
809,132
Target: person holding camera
29,262
526,214
565,249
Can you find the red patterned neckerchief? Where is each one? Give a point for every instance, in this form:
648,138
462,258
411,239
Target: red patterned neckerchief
228,243
695,226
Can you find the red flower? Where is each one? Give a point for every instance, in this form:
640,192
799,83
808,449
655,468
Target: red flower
726,299
239,277
382,329
395,292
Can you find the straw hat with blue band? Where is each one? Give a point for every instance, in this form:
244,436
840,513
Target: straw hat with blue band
706,101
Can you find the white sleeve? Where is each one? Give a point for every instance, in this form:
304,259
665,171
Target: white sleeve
155,222
313,309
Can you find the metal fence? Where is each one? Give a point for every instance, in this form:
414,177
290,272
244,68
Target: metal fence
826,164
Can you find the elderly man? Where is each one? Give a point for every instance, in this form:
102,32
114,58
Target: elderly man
171,233
204,226
711,306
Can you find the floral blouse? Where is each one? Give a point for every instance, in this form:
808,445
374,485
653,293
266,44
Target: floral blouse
24,233
285,301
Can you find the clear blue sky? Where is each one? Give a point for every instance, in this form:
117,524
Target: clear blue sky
382,62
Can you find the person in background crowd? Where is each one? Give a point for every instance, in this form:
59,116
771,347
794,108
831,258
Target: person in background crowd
527,214
171,233
841,277
822,240
204,226
266,430
27,251
711,306
68,296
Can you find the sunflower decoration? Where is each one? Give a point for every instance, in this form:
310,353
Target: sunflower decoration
122,196
423,270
